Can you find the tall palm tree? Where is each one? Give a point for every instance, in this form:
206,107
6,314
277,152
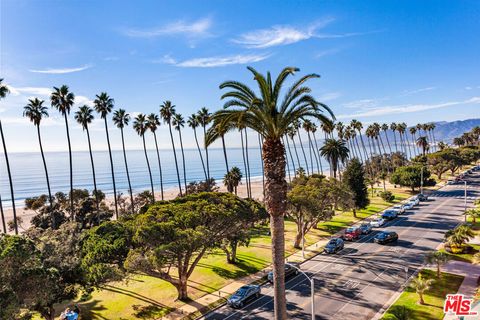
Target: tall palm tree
297,127
393,127
309,126
370,138
153,122
167,111
121,119
194,123
140,125
62,100
103,104
2,214
413,131
232,179
178,123
317,150
402,128
357,125
3,93
336,152
377,128
260,146
385,129
204,118
291,132
241,128
84,117
292,161
35,111
271,117
215,132
422,142
248,176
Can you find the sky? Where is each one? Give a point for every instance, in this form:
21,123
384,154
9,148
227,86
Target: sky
379,61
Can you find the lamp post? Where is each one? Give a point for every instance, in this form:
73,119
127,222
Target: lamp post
312,288
421,180
465,201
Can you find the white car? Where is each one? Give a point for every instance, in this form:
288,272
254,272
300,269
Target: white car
415,200
377,223
408,205
450,182
400,208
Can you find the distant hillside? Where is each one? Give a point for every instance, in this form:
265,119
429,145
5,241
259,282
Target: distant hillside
446,131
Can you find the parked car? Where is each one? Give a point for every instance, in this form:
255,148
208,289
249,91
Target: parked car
389,214
244,295
408,205
290,271
366,228
385,237
450,181
422,197
400,208
334,245
352,233
415,200
377,223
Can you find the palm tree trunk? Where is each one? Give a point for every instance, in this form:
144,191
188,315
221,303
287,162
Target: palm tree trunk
50,199
126,170
72,215
183,160
388,142
275,195
434,142
363,145
287,163
159,166
206,152
312,148
225,153
359,150
381,142
200,153
395,141
291,158
244,163
175,157
260,145
296,153
318,153
4,225
148,166
248,163
303,151
112,169
93,168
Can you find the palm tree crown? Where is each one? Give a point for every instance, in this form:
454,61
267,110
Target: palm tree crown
121,118
84,116
35,111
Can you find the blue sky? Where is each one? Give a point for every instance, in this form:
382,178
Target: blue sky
384,61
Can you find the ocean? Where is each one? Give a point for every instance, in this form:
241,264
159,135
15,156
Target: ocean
29,176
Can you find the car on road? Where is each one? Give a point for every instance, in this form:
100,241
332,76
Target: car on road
389,214
422,197
244,295
415,200
334,245
400,208
290,271
352,233
450,181
408,205
366,228
384,237
377,223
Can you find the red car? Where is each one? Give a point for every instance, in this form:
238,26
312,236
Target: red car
352,233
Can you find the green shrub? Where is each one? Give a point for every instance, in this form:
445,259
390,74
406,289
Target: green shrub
387,196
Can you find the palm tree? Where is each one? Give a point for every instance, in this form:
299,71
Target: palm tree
377,127
84,117
167,111
140,124
204,118
232,179
335,151
473,213
317,149
62,100
291,132
152,124
121,119
4,225
3,93
431,128
272,118
401,128
215,132
241,127
393,127
413,131
309,126
103,104
178,123
292,161
422,143
260,146
298,126
385,129
421,285
194,123
357,125
437,258
35,111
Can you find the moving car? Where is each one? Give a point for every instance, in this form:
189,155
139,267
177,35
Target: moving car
366,228
389,214
422,197
408,205
244,295
377,223
352,233
384,237
400,208
334,245
290,271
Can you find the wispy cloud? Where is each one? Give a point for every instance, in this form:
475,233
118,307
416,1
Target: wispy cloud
37,91
410,92
218,61
364,104
324,53
329,96
199,27
61,70
408,108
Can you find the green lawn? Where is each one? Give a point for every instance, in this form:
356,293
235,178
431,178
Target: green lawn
434,298
146,297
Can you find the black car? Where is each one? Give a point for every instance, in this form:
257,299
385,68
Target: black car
243,295
422,197
334,245
389,215
290,271
366,228
385,237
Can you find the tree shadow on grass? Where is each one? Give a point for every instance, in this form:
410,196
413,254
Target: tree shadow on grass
245,269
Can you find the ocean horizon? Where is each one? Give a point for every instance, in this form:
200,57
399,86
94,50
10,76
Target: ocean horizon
29,176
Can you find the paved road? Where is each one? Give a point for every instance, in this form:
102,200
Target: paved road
361,279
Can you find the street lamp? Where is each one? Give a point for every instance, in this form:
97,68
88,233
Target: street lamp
312,289
465,202
421,180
